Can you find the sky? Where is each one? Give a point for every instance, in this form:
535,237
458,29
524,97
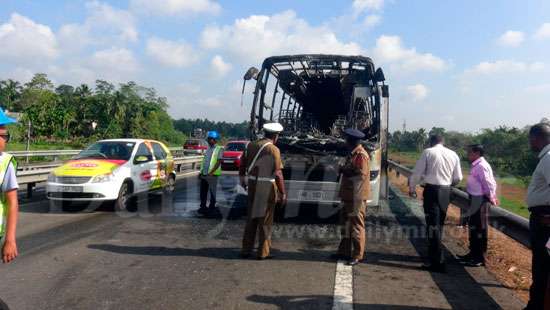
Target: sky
462,65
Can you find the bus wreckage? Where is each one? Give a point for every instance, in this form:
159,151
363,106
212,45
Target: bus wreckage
315,97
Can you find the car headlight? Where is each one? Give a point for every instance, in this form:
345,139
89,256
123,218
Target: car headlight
51,177
102,178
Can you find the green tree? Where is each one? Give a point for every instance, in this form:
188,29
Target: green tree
10,93
437,131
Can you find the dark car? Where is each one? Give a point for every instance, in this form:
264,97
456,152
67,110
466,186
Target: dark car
195,147
232,154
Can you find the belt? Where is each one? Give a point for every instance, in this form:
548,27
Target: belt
263,179
437,186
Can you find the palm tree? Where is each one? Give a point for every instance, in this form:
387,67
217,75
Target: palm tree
420,139
10,92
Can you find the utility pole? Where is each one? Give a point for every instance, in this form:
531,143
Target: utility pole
404,125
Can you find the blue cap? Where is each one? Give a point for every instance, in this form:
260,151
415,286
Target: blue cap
213,135
4,119
354,133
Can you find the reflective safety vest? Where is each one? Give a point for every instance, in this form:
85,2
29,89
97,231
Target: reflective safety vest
213,161
5,160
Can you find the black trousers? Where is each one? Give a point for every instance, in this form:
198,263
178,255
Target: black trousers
209,184
539,229
478,224
436,202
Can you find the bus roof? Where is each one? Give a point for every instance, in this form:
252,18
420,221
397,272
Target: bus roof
310,60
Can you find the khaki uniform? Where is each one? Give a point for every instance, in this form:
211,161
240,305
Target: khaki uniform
262,195
354,192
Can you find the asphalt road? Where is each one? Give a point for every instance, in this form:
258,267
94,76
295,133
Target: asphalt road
166,257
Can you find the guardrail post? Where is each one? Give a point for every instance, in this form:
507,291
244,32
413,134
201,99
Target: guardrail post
29,189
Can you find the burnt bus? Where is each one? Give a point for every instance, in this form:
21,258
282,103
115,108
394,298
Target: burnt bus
315,97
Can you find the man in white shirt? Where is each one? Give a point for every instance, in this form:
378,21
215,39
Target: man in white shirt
439,168
538,201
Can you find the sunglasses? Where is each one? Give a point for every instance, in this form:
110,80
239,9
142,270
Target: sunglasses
5,136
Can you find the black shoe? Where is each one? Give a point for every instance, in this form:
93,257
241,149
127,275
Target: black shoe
466,257
265,257
202,210
474,263
440,268
339,257
213,210
212,213
354,262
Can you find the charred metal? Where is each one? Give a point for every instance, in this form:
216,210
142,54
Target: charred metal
315,97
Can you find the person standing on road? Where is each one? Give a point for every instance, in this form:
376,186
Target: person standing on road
263,166
9,205
481,188
439,168
354,192
210,170
538,202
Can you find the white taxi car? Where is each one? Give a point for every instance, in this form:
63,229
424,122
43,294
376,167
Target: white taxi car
114,169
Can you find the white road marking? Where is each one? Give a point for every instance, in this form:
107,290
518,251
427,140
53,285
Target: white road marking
343,287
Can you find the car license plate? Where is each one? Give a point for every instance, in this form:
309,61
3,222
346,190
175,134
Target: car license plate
310,195
67,189
228,161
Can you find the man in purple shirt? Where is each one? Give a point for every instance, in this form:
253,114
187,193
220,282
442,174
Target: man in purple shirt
482,188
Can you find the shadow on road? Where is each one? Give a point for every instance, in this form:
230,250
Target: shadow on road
217,253
393,260
459,288
319,302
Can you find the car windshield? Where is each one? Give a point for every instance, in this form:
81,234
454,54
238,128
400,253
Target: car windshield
108,150
235,147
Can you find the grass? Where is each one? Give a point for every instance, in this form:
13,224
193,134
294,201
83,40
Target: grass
513,181
405,158
519,208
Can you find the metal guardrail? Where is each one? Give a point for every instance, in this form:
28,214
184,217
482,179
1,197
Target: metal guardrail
46,153
37,173
57,153
511,224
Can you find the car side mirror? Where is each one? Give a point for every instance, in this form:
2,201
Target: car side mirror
141,159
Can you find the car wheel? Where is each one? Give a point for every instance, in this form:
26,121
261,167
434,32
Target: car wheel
123,202
170,185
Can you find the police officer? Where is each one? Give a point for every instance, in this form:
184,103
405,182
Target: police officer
354,192
263,166
538,201
8,196
209,172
